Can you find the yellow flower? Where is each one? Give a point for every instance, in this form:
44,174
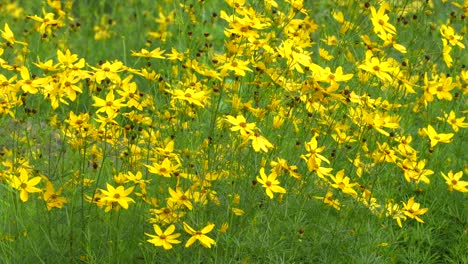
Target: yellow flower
449,33
240,124
446,53
165,169
442,87
412,210
10,37
454,182
25,185
110,105
156,53
239,67
381,69
260,143
313,156
343,184
436,138
394,211
164,239
380,22
117,195
52,197
191,96
109,71
328,200
181,198
270,183
201,236
453,121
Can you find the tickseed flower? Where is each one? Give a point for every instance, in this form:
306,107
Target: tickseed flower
342,182
313,156
108,71
191,96
52,197
110,105
380,22
10,37
381,69
25,185
240,124
446,49
180,198
435,137
412,210
270,183
328,200
454,182
449,33
201,236
453,121
394,211
165,169
156,53
260,143
117,195
164,239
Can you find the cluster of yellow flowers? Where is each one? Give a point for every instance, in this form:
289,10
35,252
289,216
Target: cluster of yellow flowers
275,93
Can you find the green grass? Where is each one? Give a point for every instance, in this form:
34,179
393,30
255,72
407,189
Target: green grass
219,168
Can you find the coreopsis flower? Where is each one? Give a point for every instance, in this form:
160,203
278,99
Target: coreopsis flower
328,200
446,49
47,22
25,185
169,214
201,235
394,211
52,198
181,198
109,71
313,153
381,69
415,171
239,67
165,169
116,196
436,137
380,22
454,181
259,142
68,84
270,183
110,105
67,59
130,93
164,239
384,153
175,55
29,84
337,76
453,121
8,35
156,53
240,124
449,34
411,209
191,96
442,87
137,178
340,181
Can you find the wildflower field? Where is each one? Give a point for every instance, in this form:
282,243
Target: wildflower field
236,131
